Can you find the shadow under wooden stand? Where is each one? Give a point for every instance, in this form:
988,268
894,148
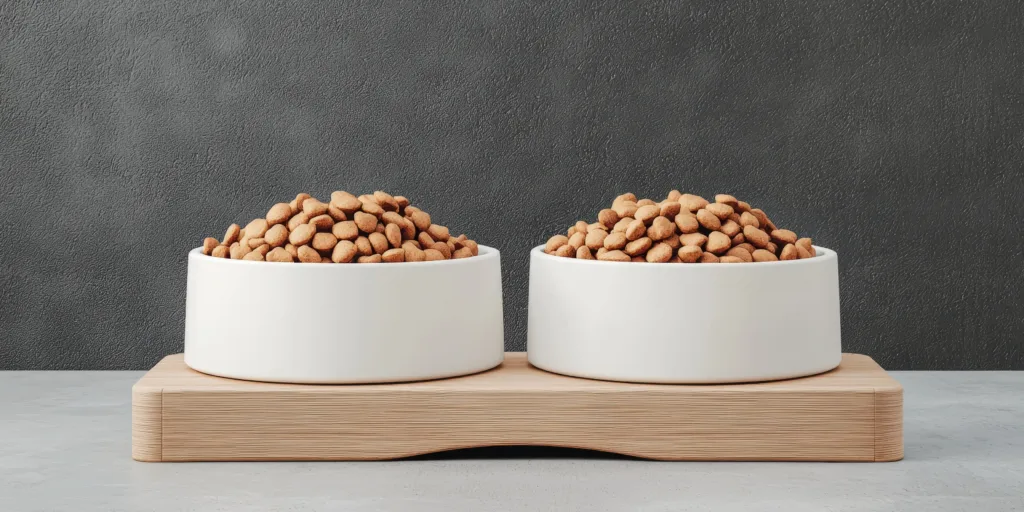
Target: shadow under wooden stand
852,413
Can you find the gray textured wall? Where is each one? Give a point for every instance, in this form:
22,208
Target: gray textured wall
890,131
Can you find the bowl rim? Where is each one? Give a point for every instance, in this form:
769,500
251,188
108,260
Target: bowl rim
487,253
822,255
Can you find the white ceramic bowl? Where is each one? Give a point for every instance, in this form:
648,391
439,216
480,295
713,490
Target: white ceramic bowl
343,323
680,323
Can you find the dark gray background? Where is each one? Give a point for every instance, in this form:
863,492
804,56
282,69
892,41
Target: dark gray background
889,131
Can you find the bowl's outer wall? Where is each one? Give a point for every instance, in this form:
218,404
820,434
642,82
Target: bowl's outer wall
684,323
352,323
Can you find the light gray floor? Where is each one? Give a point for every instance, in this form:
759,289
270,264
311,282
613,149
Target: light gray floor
65,445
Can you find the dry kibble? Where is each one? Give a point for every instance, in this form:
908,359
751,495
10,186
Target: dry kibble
379,242
232,235
645,202
433,255
555,242
687,223
625,209
637,259
324,242
596,226
313,208
373,258
209,244
689,253
806,244
565,251
741,253
296,204
346,230
638,246
730,228
772,248
726,199
408,229
255,242
279,214
279,255
402,202
238,250
801,253
615,241
762,219
276,236
413,253
322,222
731,259
763,255
438,232
737,218
635,230
393,218
613,256
707,257
221,251
394,235
708,219
367,223
425,240
789,253
628,196
583,253
337,215
622,224
253,256
738,239
661,229
257,228
756,237
647,213
722,211
386,201
581,227
344,252
693,239
597,255
393,255
363,246
746,247
294,251
577,240
673,195
308,254
660,253
595,239
302,235
297,220
608,218
718,243
473,246
345,202
420,219
748,219
370,206
263,249
672,241
783,236
692,203
669,209
445,249
411,243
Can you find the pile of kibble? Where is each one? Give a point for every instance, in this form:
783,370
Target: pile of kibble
683,228
371,228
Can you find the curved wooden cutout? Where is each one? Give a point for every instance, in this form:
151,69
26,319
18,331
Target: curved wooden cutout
853,413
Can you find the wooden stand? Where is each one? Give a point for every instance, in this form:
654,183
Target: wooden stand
852,413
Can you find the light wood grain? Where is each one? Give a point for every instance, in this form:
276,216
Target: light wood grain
853,413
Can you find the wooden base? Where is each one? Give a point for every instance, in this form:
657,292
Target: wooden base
852,413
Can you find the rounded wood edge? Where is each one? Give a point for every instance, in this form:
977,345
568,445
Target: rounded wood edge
889,424
147,423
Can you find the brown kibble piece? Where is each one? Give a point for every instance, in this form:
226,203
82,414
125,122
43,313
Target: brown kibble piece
731,259
221,251
789,253
730,228
373,258
645,202
257,228
726,199
308,254
762,219
276,236
297,220
647,213
672,241
444,248
622,224
669,209
635,230
756,237
772,248
279,214
615,241
232,235
692,203
660,253
294,251
608,218
413,253
709,220
420,219
379,242
209,244
322,222
473,246
302,235
366,222
346,230
387,202
279,255
763,255
748,219
742,206
344,252
438,232
555,242
746,247
673,195
783,236
707,257
576,241
661,229
345,202
370,206
722,211
253,256
638,246
313,208
433,255
625,209
801,253
595,239
297,202
465,252
689,253
581,227
738,239
394,235
336,214
426,241
363,246
740,253
694,239
583,253
565,251
238,250
718,243
613,256
393,255
324,242
402,202
807,245
621,198
687,223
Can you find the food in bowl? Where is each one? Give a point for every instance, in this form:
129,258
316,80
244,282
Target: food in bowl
370,228
682,228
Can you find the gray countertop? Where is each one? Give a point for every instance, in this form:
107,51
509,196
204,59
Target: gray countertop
65,444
